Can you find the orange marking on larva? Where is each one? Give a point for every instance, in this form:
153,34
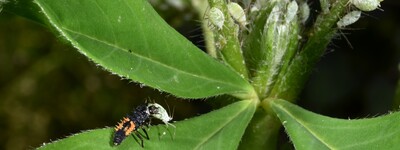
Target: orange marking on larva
121,124
126,119
130,129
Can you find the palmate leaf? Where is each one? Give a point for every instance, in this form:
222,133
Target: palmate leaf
220,129
128,38
308,130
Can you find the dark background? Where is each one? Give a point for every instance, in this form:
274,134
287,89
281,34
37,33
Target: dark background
48,90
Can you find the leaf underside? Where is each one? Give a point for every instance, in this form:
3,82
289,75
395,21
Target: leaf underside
129,38
308,130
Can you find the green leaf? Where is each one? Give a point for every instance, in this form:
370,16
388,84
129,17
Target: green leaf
308,130
25,8
227,39
220,129
129,38
264,138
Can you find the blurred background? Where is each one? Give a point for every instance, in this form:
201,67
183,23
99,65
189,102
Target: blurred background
48,90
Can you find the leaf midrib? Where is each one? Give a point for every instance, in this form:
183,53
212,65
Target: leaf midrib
371,140
151,60
60,28
222,126
303,124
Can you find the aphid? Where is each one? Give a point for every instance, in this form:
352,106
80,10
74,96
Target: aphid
131,124
237,13
157,111
139,118
349,19
291,11
366,5
216,17
274,15
304,12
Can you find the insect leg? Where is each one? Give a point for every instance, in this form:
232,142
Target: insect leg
140,138
145,132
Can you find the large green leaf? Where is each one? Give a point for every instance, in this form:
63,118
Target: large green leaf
220,129
308,130
25,8
129,38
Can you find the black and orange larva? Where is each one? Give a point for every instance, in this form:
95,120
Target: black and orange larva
132,123
139,118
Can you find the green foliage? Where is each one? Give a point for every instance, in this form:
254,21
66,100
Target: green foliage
259,63
121,39
219,129
227,41
308,130
278,43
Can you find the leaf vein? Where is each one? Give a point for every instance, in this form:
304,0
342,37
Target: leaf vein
151,60
304,125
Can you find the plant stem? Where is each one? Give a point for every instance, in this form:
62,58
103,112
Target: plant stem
261,133
252,52
227,40
291,83
201,8
279,43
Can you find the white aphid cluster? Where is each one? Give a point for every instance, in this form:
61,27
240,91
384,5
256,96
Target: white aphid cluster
217,18
353,16
287,12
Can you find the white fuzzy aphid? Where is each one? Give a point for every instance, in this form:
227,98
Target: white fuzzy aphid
237,13
366,5
304,12
216,17
291,11
157,111
274,15
349,19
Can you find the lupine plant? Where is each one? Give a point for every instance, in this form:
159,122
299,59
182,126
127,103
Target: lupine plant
261,52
